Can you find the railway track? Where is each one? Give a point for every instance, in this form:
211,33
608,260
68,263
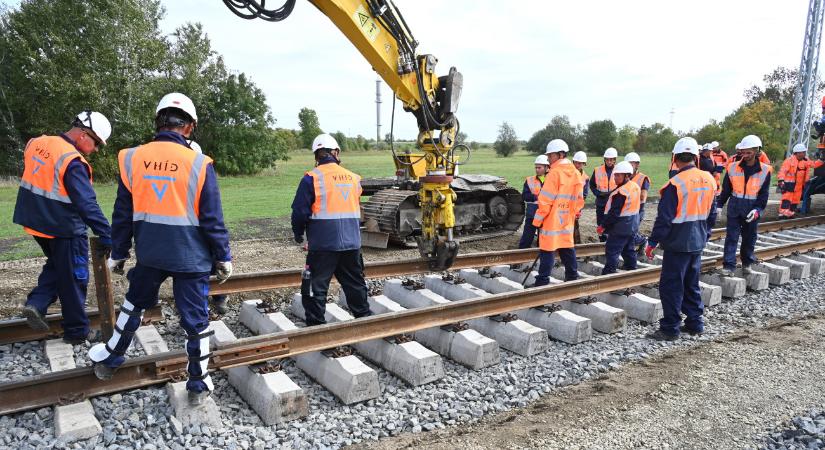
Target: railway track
480,310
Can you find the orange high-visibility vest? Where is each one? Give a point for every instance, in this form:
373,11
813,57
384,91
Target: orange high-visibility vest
166,180
695,191
640,178
720,159
559,201
604,183
585,177
632,195
534,184
337,193
737,181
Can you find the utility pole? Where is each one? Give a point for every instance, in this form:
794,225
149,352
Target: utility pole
672,112
377,113
805,95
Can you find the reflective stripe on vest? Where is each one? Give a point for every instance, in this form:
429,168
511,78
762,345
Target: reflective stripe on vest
604,183
737,181
337,193
544,232
534,184
694,195
165,179
632,199
46,159
640,178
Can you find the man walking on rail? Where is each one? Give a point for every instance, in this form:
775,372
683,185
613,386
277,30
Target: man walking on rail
746,186
686,215
560,200
529,193
168,200
643,181
621,220
55,204
579,161
792,178
602,184
327,206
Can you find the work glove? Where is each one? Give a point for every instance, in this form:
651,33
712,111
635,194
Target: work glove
579,215
649,251
116,265
599,230
753,215
299,239
223,270
104,248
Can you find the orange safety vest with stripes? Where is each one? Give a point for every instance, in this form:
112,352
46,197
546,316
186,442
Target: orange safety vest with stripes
534,184
560,200
334,224
739,188
44,207
632,194
640,178
604,183
695,192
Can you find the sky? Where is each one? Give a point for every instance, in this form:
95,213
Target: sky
523,62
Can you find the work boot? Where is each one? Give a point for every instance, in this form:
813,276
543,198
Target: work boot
104,372
219,305
640,249
660,335
725,272
91,337
197,398
35,319
746,270
687,330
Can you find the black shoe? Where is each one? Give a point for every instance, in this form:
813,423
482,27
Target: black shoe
91,337
660,335
640,249
103,372
687,330
198,398
35,319
219,306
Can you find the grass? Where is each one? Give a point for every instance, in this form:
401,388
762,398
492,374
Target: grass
247,201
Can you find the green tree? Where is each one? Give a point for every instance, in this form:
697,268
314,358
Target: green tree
341,139
655,138
507,142
626,138
600,135
712,131
310,126
558,128
764,118
461,138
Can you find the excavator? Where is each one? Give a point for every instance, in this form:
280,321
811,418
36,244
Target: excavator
426,180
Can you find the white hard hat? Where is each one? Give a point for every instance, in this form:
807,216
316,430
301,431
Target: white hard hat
96,122
800,148
324,141
557,145
623,167
750,141
542,159
632,157
738,146
686,145
196,147
580,157
179,101
611,153
714,144
707,147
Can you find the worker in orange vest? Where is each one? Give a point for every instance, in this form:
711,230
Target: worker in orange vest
579,161
55,204
602,184
327,207
530,195
746,185
621,220
792,178
685,218
643,181
560,201
720,162
168,201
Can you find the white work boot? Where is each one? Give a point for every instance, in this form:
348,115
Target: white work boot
725,272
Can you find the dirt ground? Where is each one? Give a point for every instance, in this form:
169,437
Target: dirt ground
701,397
256,255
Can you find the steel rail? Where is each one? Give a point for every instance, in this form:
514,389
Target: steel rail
260,281
71,385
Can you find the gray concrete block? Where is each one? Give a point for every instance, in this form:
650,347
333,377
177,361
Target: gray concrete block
637,306
204,414
716,246
60,355
466,347
604,318
76,422
274,396
799,269
592,268
560,325
777,275
558,273
151,341
788,236
712,253
732,287
817,264
496,285
711,294
410,361
518,277
347,378
756,280
450,291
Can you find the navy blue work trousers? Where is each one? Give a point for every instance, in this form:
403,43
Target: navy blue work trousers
547,259
624,245
529,234
737,226
65,276
348,268
680,293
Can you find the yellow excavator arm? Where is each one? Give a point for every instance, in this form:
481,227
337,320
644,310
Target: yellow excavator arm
379,32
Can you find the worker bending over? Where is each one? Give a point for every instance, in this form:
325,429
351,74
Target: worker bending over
643,181
168,201
579,161
792,178
684,220
530,193
560,200
621,220
327,207
746,185
55,204
602,184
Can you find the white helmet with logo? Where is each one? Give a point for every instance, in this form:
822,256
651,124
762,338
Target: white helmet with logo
179,101
623,167
542,159
324,141
686,145
611,153
556,146
750,141
632,157
96,122
800,148
196,147
580,157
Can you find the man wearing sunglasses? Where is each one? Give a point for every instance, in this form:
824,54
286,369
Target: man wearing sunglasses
55,204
